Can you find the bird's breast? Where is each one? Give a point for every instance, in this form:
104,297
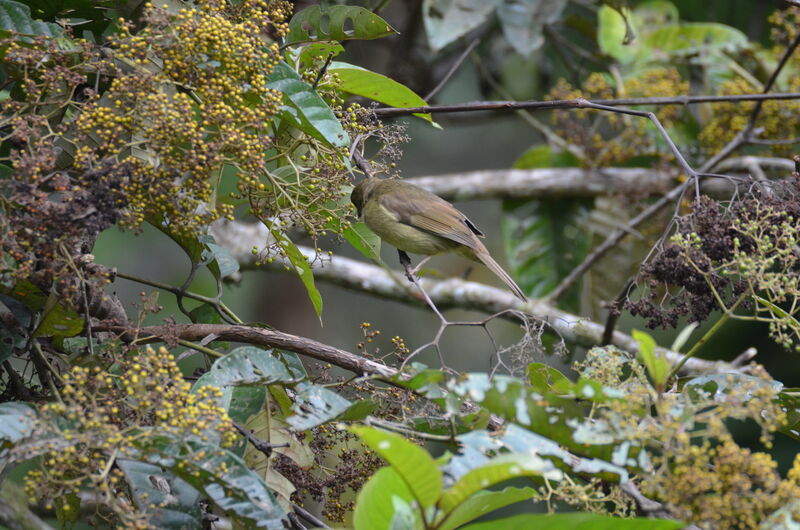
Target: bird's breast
403,236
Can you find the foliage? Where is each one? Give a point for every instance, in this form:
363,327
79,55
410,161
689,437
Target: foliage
185,114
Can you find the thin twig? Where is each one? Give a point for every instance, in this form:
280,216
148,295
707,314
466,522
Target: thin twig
453,69
477,106
261,445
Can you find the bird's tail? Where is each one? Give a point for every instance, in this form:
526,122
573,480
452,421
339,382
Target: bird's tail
483,255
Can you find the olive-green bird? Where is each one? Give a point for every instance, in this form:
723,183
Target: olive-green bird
415,220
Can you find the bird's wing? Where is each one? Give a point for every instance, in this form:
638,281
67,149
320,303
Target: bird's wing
438,217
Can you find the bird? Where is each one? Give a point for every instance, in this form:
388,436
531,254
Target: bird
415,220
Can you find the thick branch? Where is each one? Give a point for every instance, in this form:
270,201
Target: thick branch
453,293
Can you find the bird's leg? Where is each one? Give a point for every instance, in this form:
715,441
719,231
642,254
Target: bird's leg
405,261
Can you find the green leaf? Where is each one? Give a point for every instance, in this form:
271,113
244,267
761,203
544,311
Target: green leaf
337,23
498,469
544,378
246,365
364,240
545,240
683,336
16,17
372,85
615,34
381,499
17,421
301,267
689,38
790,401
447,20
575,521
225,479
58,320
168,501
412,463
315,405
304,108
523,21
485,502
656,362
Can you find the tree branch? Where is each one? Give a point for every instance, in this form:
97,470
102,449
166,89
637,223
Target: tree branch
390,112
240,238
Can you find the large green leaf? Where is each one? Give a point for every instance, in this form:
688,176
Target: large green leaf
447,20
694,37
412,463
225,479
168,501
484,502
338,23
497,470
16,17
545,240
575,521
523,22
385,503
304,108
375,86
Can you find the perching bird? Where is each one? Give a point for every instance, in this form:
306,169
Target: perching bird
415,220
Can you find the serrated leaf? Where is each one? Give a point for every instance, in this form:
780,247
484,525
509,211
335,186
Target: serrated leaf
362,82
523,21
338,23
414,465
304,108
447,20
168,501
575,521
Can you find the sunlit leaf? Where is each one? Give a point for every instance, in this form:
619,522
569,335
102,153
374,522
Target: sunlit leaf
383,500
495,471
304,108
656,362
375,86
412,463
485,502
